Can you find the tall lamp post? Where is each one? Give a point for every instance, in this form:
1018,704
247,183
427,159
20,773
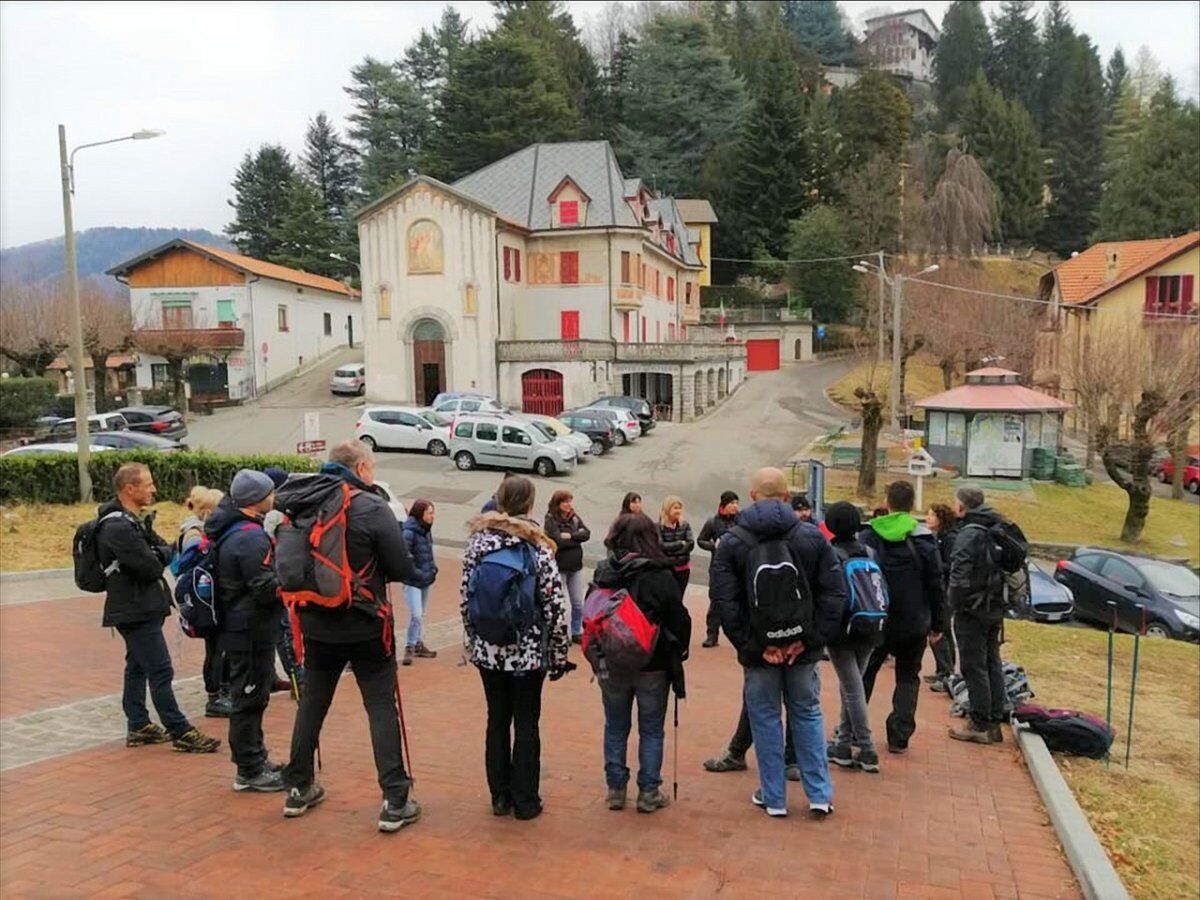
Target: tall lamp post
67,164
867,267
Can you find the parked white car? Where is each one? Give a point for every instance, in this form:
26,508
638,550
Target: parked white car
349,379
626,426
51,449
64,429
556,430
401,428
468,404
508,443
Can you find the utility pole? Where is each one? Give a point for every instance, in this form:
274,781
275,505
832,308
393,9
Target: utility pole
894,392
82,438
881,294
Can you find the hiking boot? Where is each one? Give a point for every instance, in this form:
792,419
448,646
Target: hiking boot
147,734
939,687
970,733
867,760
393,818
525,813
710,641
617,797
652,799
219,706
933,679
898,749
195,741
422,652
300,799
502,806
408,656
792,773
820,811
726,762
266,781
840,756
757,799
995,735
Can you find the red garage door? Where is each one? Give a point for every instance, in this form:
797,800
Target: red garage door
542,392
762,356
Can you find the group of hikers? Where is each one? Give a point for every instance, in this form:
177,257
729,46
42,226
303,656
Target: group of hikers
299,566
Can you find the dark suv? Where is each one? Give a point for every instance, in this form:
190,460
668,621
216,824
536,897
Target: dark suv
599,430
636,405
163,421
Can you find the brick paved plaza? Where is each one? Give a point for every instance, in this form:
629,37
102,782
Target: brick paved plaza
81,815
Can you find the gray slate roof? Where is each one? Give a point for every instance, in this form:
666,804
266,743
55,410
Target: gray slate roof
666,208
519,185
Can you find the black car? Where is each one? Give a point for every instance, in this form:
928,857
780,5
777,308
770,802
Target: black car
134,440
636,405
163,421
1170,593
599,430
1049,601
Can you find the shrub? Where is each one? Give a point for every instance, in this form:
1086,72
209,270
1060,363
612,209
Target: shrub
158,397
54,478
22,400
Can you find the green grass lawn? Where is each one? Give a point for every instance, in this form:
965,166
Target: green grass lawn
1147,817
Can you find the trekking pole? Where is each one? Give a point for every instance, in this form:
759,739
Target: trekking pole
404,730
1112,627
1137,639
675,776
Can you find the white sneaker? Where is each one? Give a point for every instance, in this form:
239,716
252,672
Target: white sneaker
757,799
820,810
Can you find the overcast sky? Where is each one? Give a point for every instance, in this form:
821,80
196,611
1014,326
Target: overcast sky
223,78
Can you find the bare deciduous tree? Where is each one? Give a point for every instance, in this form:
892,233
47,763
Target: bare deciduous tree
33,327
176,347
107,329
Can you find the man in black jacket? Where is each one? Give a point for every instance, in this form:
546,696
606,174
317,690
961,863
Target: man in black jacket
908,555
710,536
248,600
136,602
977,598
363,636
787,671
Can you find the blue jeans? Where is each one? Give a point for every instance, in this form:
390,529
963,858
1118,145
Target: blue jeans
418,600
799,688
576,589
147,660
650,689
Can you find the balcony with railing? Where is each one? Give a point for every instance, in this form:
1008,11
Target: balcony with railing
588,351
199,338
682,351
553,351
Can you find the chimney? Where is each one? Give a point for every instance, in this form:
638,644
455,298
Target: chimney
1111,263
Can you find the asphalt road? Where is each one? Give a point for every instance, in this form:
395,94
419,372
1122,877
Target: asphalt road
766,422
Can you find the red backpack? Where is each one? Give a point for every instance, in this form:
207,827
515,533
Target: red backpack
618,640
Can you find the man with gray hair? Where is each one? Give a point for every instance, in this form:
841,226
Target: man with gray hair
976,593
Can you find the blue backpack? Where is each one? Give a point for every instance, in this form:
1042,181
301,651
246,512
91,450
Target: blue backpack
867,597
502,595
195,572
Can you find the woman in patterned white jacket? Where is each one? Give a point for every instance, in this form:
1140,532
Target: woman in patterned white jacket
513,674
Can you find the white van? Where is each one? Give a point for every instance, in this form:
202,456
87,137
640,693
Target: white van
508,443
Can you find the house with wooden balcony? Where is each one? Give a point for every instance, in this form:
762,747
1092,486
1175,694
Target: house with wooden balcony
246,325
548,278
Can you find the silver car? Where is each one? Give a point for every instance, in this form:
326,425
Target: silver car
508,443
349,379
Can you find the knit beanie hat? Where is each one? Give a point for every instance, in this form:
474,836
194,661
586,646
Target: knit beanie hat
843,519
249,487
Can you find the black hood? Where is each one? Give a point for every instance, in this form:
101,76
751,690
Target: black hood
984,515
620,567
768,518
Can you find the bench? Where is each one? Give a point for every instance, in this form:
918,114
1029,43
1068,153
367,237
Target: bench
851,458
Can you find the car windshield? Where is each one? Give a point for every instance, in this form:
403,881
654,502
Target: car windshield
544,430
1176,581
345,373
435,418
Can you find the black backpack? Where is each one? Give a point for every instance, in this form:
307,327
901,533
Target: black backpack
90,575
777,590
1067,731
1007,546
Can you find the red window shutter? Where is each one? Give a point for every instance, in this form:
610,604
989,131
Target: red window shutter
671,289
1186,295
570,324
624,267
643,329
1151,296
507,263
516,265
625,327
568,212
568,264
670,331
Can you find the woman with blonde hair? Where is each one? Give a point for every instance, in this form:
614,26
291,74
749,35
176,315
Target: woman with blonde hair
200,504
677,541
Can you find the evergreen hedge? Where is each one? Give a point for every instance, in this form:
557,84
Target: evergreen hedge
54,479
22,400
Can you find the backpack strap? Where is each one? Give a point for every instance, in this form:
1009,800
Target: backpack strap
745,535
913,552
114,566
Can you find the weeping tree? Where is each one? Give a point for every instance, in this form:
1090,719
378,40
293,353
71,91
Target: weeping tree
963,212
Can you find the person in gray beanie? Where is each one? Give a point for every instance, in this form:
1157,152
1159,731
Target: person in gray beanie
248,612
284,643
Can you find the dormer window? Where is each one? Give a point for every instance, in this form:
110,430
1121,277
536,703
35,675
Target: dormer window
568,212
568,205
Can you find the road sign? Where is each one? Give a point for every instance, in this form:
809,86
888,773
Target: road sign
821,332
310,447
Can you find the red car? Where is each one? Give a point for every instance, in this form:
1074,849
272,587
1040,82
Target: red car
1191,473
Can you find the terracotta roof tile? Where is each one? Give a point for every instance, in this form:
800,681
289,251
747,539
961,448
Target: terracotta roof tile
272,270
1081,278
993,398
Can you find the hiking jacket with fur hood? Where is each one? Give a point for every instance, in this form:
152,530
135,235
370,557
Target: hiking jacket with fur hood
493,531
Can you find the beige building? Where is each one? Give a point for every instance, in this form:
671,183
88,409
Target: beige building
546,279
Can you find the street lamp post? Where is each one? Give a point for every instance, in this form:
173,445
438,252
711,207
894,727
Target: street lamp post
67,167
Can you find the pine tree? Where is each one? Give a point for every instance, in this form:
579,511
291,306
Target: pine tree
1001,135
390,125
1115,74
612,110
307,236
825,287
505,92
961,54
874,116
329,165
818,25
1058,45
1016,57
1146,76
260,200
427,60
674,70
1075,136
1155,190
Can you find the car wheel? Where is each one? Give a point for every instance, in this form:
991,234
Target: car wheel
1194,487
362,389
436,448
597,448
1157,630
465,461
621,439
543,467
369,441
